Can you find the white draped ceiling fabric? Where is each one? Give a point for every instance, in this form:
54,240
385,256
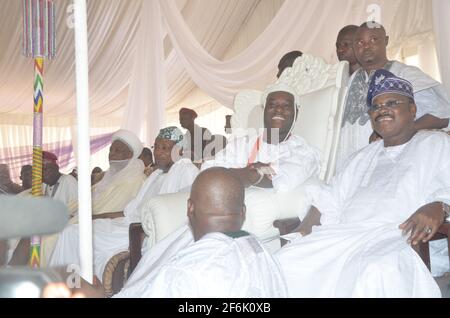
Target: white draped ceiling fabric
148,90
208,45
310,26
441,20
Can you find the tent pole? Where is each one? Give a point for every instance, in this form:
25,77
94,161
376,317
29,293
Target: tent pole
84,177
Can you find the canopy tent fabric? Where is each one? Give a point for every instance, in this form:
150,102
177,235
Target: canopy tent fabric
216,46
441,23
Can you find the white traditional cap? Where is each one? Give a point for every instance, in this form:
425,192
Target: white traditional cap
130,139
280,87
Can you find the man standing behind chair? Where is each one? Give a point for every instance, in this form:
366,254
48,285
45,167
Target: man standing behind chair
277,159
287,61
391,194
344,47
433,104
196,137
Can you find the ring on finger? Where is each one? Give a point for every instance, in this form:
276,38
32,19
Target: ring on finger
428,230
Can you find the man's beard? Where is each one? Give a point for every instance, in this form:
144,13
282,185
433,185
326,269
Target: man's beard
115,166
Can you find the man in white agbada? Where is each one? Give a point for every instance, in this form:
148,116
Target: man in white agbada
58,186
125,175
110,230
276,159
392,187
212,258
433,103
119,185
61,187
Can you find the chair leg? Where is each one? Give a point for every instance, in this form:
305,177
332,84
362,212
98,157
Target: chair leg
448,247
423,249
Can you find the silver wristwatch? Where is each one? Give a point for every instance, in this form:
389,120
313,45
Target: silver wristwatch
446,209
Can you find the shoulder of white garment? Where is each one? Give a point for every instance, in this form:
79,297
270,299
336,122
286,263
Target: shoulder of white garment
415,75
67,178
298,143
183,167
183,162
205,250
438,140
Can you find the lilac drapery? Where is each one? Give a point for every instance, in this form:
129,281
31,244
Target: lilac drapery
19,156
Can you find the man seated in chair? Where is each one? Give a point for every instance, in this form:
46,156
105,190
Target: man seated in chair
119,185
110,230
212,258
277,159
433,104
58,186
389,195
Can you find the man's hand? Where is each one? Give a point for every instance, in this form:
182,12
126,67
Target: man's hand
249,175
424,223
60,290
311,219
374,137
265,168
305,229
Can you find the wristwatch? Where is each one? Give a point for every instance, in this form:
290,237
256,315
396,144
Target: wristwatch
446,209
261,176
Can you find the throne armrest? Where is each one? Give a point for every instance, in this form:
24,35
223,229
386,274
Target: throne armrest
286,226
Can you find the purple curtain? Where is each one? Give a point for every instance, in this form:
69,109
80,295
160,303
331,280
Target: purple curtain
62,149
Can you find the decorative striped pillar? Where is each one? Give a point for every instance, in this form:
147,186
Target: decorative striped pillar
39,42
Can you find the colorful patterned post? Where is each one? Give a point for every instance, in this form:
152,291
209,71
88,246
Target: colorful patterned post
39,42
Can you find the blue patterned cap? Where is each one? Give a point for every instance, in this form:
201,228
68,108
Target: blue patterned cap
384,82
171,133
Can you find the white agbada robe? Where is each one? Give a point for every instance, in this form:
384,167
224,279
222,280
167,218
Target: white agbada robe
65,190
359,251
110,236
429,95
293,160
216,266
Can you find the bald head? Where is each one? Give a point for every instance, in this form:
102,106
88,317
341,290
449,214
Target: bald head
373,25
216,203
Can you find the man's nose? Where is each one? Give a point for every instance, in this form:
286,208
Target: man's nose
279,109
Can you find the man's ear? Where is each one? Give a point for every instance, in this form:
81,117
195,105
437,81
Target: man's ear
243,213
387,40
413,109
190,208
